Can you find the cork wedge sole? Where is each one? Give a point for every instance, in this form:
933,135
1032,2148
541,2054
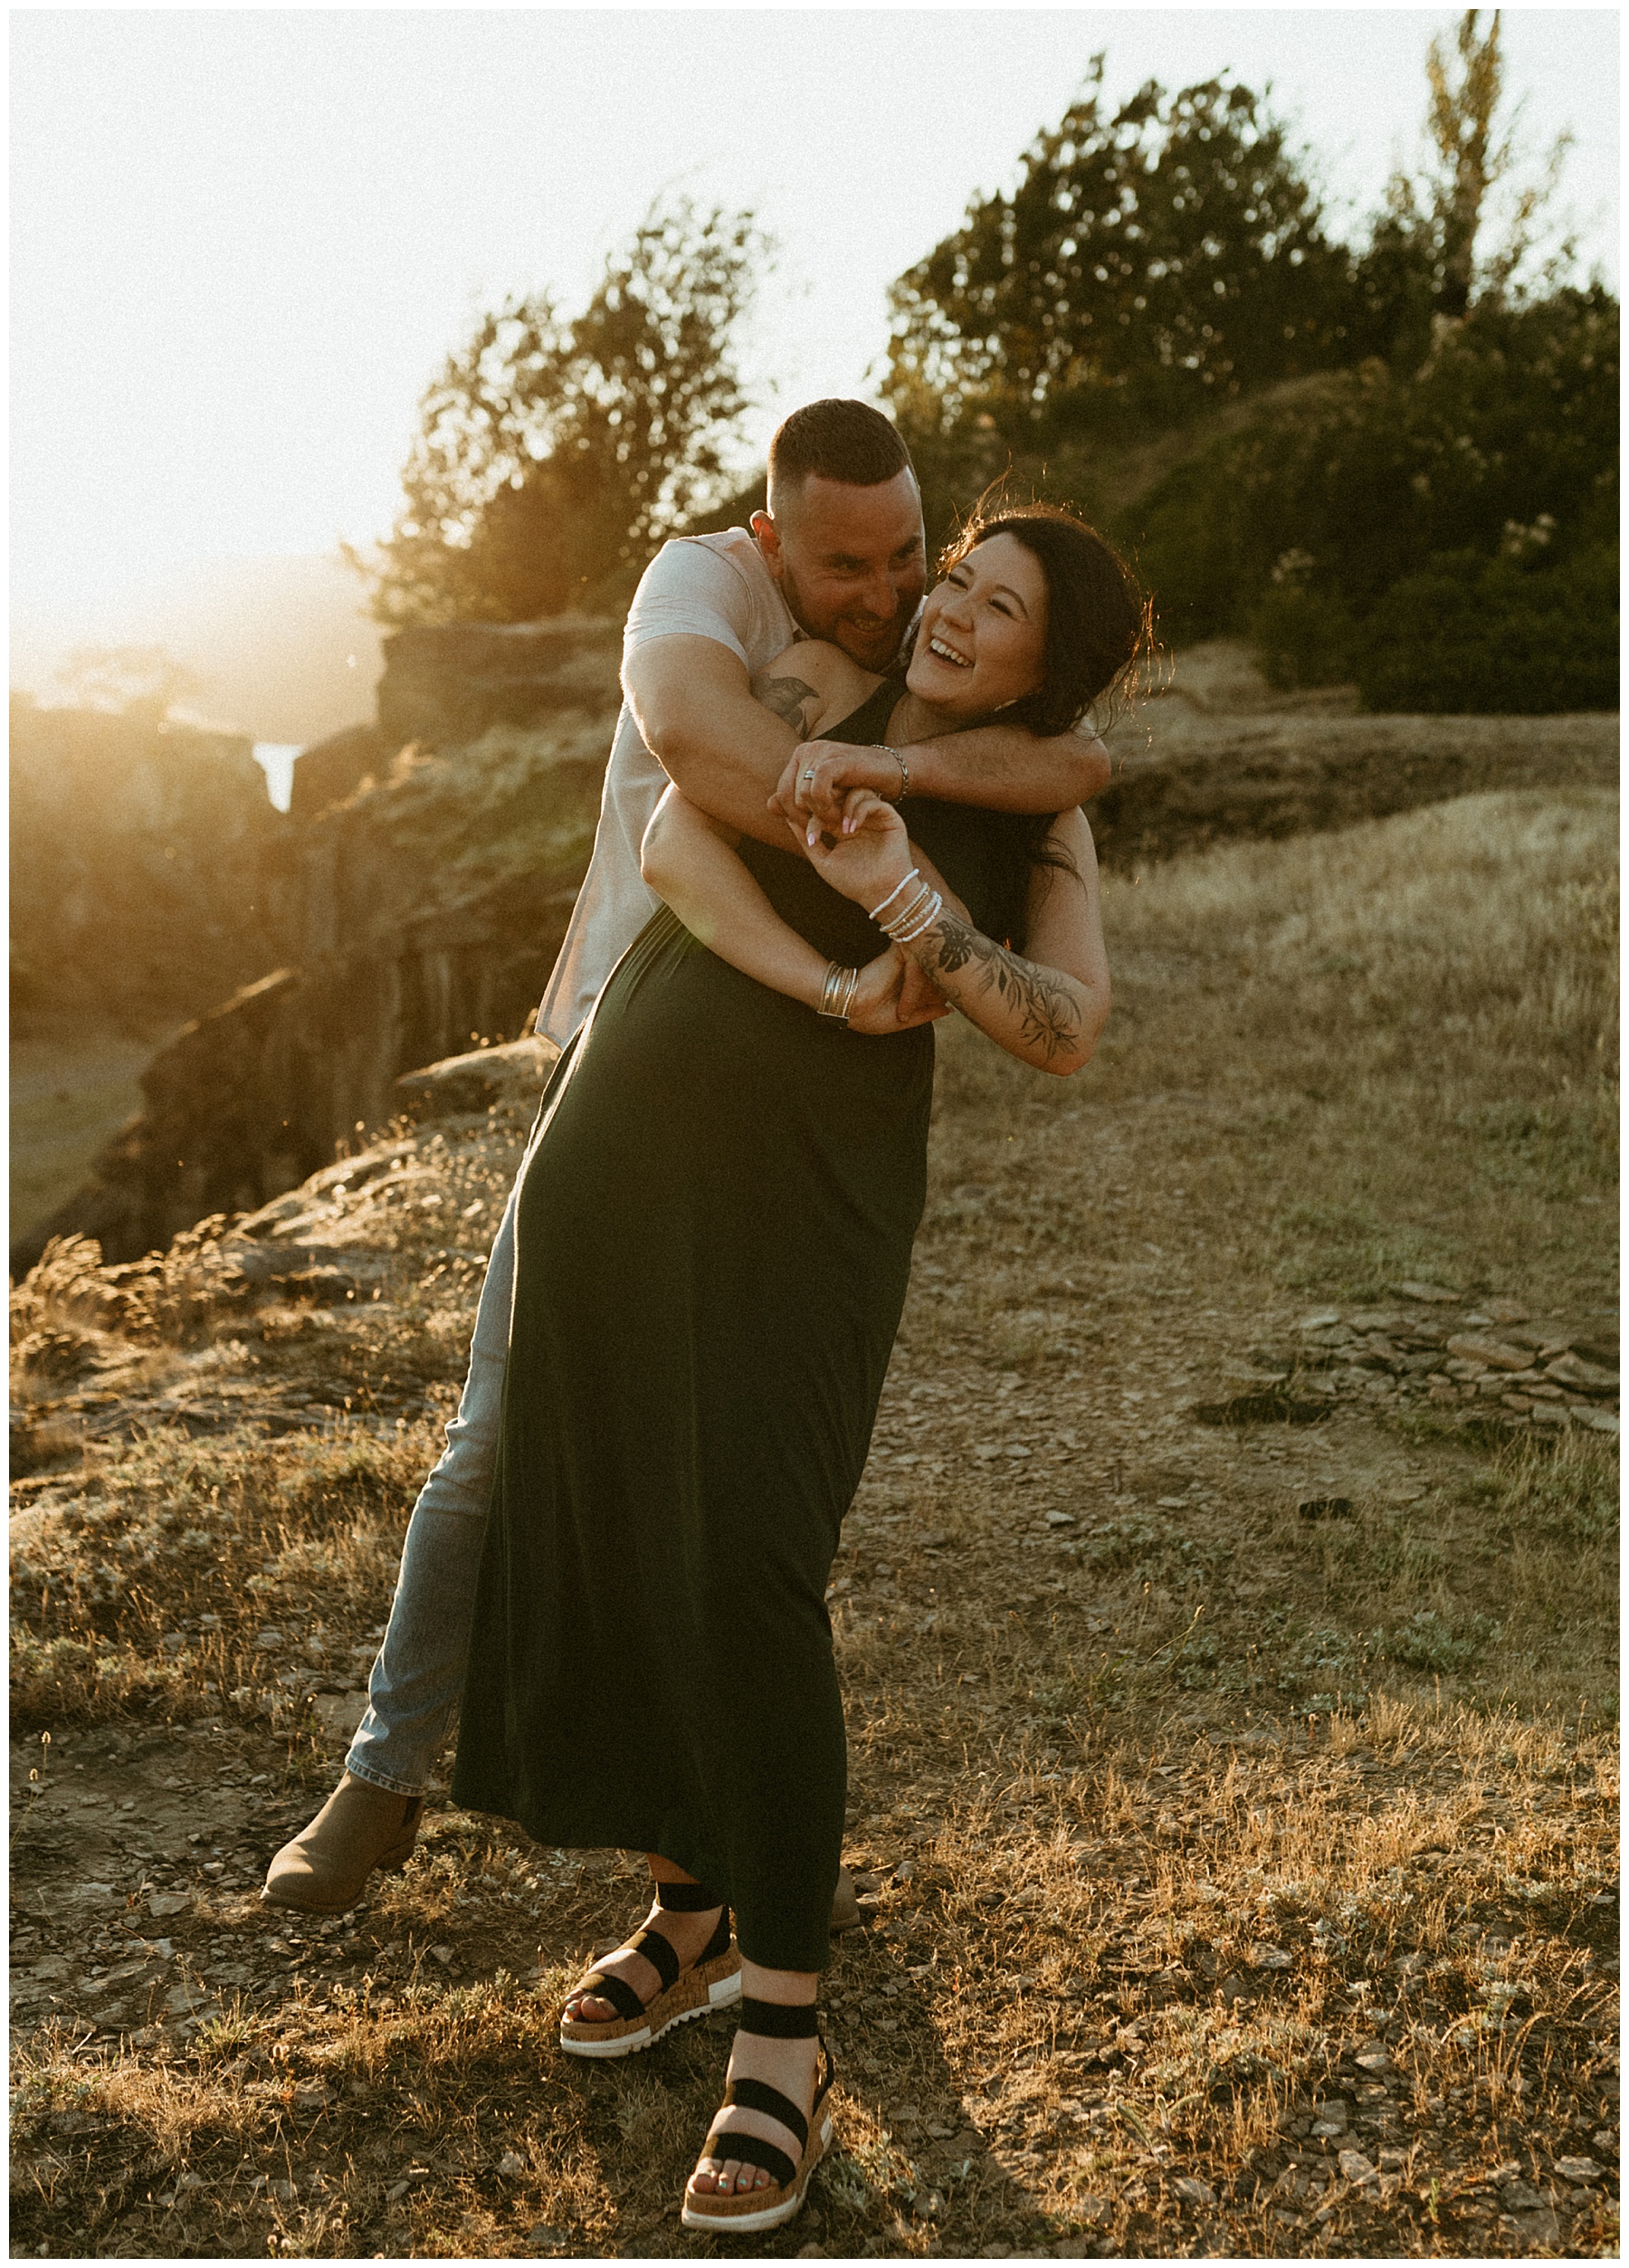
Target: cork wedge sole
745,2212
710,1985
750,2210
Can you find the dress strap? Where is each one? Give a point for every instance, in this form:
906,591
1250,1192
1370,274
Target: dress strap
869,722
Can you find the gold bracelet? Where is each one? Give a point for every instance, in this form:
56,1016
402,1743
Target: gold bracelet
837,993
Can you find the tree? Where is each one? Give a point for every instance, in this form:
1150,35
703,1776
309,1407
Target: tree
1317,507
553,456
1161,254
1429,255
140,681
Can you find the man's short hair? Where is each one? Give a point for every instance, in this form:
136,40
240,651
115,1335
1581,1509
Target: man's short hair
841,441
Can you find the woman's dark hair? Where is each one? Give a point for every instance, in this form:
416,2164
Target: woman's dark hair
1098,621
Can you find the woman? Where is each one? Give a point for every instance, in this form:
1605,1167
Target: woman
713,1243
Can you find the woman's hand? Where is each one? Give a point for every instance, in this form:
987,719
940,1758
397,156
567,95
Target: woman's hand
877,1009
869,858
821,774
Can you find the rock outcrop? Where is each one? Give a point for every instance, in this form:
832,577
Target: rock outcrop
140,853
413,913
330,770
445,687
468,1085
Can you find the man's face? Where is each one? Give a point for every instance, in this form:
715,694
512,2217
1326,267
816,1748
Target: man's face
850,561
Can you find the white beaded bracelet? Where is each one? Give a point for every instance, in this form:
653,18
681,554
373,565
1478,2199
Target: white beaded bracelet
914,875
929,914
903,913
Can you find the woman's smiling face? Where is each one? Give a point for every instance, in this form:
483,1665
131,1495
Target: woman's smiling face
982,633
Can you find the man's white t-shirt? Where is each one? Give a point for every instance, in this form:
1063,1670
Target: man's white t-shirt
696,587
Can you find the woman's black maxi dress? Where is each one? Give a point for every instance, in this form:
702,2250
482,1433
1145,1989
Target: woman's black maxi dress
713,1241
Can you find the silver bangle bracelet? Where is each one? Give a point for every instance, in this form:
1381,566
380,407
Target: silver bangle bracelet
837,993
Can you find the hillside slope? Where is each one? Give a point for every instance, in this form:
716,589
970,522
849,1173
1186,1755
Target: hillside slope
1210,753
1229,1663
421,909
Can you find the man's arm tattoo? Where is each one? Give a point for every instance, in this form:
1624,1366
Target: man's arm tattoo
1052,1018
789,697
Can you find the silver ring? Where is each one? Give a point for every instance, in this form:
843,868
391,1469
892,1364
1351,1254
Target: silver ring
809,774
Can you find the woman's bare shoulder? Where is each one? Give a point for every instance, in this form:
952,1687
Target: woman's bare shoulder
812,684
1071,832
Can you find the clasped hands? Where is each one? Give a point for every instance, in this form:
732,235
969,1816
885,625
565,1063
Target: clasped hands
823,774
831,797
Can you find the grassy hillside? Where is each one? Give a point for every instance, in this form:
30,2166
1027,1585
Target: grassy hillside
1230,1665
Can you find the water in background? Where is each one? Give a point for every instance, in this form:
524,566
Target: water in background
276,759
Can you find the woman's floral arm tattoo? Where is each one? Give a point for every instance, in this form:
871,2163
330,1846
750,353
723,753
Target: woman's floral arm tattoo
1051,1015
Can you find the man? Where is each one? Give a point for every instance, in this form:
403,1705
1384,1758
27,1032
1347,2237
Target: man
838,555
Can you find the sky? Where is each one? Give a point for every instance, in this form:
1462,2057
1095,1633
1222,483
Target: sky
242,240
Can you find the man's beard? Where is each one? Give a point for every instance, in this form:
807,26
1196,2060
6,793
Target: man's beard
882,646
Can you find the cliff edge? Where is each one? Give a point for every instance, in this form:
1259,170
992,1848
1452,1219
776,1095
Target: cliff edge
410,908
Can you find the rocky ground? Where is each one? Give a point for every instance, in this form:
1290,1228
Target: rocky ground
1230,1663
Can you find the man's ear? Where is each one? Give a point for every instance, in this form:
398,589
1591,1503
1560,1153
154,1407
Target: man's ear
768,542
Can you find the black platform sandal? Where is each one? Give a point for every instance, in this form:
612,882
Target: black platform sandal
713,1980
747,2210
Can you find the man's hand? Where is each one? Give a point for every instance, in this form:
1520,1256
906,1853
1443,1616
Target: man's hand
893,995
921,999
821,775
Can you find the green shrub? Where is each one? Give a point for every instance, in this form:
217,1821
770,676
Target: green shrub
1426,1642
1474,635
1303,637
1504,441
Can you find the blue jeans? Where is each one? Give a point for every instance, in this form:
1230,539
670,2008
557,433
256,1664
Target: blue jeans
417,1680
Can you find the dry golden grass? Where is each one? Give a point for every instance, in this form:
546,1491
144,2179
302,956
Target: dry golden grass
1413,1025
1186,1818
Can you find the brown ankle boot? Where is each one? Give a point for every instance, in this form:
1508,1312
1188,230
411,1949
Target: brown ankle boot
845,1904
360,1828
